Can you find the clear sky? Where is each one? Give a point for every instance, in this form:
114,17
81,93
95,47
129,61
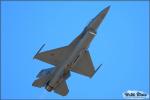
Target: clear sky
121,45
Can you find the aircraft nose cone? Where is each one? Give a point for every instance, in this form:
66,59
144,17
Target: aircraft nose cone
94,24
106,9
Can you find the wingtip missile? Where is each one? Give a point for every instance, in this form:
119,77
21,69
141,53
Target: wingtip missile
96,70
39,51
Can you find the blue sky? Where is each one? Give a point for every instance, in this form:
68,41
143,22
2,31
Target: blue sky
121,45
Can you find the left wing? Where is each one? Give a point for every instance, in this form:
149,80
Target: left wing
84,65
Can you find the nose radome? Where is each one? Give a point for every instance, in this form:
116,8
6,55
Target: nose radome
94,24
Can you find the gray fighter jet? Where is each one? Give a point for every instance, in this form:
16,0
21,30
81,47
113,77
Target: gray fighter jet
75,57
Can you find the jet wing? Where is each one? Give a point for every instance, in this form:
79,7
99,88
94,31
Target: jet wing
84,65
62,89
76,40
55,56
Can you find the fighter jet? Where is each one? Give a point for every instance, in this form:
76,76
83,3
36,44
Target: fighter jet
74,57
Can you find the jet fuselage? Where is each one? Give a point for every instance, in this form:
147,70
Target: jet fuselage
78,50
74,57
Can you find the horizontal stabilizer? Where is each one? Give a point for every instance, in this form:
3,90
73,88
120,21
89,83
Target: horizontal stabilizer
84,65
43,77
41,81
45,72
62,89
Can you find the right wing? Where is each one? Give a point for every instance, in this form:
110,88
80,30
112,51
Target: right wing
55,56
76,40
